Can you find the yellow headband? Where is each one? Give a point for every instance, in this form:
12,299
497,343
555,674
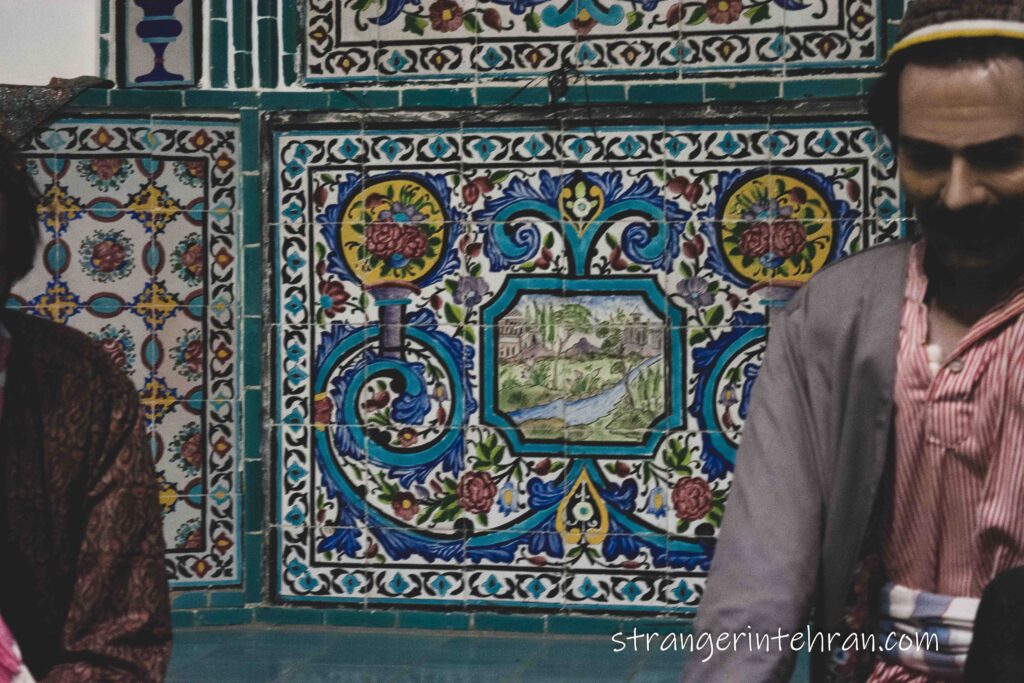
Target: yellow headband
967,28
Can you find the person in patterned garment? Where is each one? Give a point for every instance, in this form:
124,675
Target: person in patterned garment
880,481
84,595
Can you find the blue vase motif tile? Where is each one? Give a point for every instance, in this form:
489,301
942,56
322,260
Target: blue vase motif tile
139,250
537,400
158,43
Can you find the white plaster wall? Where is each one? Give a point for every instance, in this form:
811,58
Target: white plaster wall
44,38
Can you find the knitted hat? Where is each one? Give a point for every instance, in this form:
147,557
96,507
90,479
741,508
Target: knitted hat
927,21
24,108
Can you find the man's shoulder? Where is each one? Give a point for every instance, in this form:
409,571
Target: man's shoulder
59,353
862,278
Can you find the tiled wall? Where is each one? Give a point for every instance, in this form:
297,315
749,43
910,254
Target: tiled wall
451,308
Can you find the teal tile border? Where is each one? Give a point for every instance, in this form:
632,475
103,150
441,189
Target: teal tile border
364,100
253,492
757,91
576,625
449,621
252,285
219,52
146,99
252,571
361,618
515,623
250,122
231,100
667,93
189,599
268,61
512,96
595,94
229,616
437,98
305,101
285,615
182,619
817,88
219,599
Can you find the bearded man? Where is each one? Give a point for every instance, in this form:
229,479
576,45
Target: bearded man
881,476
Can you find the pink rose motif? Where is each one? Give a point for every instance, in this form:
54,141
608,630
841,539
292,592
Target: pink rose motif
106,168
382,238
413,242
192,259
404,505
192,451
755,240
724,11
476,492
445,16
108,255
788,238
692,498
192,357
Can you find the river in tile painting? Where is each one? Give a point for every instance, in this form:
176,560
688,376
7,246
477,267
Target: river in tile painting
583,367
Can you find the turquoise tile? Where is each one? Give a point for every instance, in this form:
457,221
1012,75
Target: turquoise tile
224,598
494,96
189,600
251,151
294,100
146,99
231,100
182,619
669,93
219,51
252,363
268,52
365,100
105,69
253,495
433,620
252,197
821,87
757,91
242,26
558,623
228,616
253,294
93,97
289,69
104,17
243,69
253,570
251,413
483,621
346,616
595,94
219,9
290,28
289,615
438,98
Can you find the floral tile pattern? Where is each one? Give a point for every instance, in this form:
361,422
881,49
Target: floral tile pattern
406,40
512,365
139,250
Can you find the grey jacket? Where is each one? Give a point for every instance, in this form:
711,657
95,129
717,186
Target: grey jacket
813,451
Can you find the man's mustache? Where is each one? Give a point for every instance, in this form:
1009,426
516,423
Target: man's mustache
972,226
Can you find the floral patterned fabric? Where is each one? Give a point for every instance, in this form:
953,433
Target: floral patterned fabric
84,592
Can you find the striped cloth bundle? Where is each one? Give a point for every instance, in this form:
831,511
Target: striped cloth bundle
939,627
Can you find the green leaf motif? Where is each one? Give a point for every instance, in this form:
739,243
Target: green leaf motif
699,16
533,22
413,24
634,20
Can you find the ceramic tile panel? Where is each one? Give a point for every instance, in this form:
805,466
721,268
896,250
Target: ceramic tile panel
159,43
511,364
140,250
405,40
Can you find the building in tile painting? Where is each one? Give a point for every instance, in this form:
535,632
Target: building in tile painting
479,308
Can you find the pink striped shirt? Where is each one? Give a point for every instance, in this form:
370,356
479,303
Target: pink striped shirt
957,493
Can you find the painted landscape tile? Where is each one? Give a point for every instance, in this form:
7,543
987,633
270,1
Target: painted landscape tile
512,364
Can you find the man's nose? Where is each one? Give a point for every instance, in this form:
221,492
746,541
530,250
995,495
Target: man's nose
963,189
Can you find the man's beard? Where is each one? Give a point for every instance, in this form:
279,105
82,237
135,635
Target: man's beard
978,239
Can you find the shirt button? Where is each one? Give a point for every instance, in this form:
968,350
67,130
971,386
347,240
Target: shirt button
956,365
